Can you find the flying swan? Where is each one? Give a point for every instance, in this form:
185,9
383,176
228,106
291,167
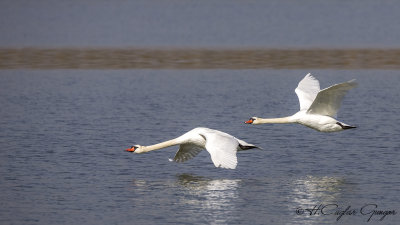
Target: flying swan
221,146
317,107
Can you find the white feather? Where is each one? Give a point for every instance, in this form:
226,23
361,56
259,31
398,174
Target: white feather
307,90
317,107
328,100
221,146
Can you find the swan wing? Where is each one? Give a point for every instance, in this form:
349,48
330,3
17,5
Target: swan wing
307,90
222,148
186,152
329,99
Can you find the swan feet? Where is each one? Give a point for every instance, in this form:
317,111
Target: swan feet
345,127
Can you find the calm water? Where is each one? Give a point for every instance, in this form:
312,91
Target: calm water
63,132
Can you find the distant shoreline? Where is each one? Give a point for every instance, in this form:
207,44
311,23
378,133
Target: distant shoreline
198,58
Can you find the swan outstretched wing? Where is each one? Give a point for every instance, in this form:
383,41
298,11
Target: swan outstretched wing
329,99
306,91
186,152
222,148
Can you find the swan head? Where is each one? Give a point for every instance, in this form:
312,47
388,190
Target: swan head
253,120
134,148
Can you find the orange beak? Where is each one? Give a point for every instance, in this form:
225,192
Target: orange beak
131,149
250,121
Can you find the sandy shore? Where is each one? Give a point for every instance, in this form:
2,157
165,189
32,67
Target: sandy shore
181,58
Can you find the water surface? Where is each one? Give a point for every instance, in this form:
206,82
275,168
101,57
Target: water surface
63,132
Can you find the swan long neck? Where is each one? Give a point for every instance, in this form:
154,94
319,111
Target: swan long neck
287,119
161,145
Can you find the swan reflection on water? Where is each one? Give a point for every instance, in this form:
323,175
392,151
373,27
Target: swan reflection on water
210,200
311,192
215,197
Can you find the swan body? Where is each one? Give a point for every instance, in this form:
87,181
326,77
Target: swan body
317,107
221,146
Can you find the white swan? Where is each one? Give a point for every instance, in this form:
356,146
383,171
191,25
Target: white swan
317,107
221,146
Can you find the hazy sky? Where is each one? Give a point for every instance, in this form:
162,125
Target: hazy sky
225,23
